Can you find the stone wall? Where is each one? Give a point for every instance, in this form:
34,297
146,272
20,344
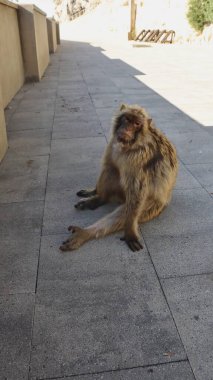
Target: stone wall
34,39
11,62
3,134
52,35
24,53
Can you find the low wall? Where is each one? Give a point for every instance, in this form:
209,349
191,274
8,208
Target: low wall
52,35
58,33
3,135
24,52
41,40
11,62
34,39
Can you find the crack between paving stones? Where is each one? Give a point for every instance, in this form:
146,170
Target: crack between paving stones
36,284
22,201
112,370
187,275
202,186
90,96
167,303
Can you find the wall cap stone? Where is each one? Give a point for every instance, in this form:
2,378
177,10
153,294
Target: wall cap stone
9,4
32,8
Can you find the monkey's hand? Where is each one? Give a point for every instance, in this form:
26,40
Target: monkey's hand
91,203
79,237
132,242
86,193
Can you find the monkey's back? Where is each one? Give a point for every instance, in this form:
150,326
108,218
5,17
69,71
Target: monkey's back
161,167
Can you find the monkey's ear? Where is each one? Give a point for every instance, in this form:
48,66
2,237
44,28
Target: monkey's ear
149,121
123,106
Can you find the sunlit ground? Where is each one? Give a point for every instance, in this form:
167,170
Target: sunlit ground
181,73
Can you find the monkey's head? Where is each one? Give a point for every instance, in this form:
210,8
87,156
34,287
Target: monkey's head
131,125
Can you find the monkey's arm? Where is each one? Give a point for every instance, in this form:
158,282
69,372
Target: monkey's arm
136,193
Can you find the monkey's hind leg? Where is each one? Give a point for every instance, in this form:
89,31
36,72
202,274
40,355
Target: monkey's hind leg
155,210
86,193
111,223
91,203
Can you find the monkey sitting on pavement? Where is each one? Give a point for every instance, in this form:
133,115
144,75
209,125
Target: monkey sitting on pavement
139,170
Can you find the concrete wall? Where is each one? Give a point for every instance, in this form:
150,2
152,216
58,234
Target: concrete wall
24,53
58,33
11,62
34,39
3,135
41,41
52,35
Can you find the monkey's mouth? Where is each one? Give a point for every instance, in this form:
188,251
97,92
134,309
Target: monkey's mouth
123,140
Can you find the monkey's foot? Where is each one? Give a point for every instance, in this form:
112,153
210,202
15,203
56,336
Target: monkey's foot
86,193
133,243
90,204
79,237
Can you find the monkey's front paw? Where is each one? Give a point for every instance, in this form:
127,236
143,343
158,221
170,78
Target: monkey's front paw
86,193
133,243
75,240
82,193
89,204
81,205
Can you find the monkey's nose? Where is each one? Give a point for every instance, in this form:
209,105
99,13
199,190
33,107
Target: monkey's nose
121,139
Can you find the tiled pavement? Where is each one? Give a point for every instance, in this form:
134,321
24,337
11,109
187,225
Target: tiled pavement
104,312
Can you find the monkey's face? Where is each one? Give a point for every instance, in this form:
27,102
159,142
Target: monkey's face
129,128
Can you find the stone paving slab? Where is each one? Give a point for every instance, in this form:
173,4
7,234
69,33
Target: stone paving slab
194,148
29,143
59,213
94,265
190,212
111,100
190,300
127,82
203,173
174,371
16,313
76,153
65,182
73,129
186,254
18,123
65,104
75,110
82,331
107,113
24,181
80,89
39,94
20,218
104,88
185,180
76,115
36,105
182,124
19,260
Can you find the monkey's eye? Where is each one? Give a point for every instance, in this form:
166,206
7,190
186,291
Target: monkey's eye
137,123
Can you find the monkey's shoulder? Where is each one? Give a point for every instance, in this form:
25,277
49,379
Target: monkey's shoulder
159,152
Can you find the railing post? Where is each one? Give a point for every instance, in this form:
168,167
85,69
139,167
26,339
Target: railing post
133,11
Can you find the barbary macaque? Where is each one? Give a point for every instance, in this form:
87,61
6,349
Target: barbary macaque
139,170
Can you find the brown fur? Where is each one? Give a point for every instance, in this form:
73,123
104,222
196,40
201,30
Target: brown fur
139,170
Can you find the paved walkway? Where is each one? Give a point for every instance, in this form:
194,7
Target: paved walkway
104,312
